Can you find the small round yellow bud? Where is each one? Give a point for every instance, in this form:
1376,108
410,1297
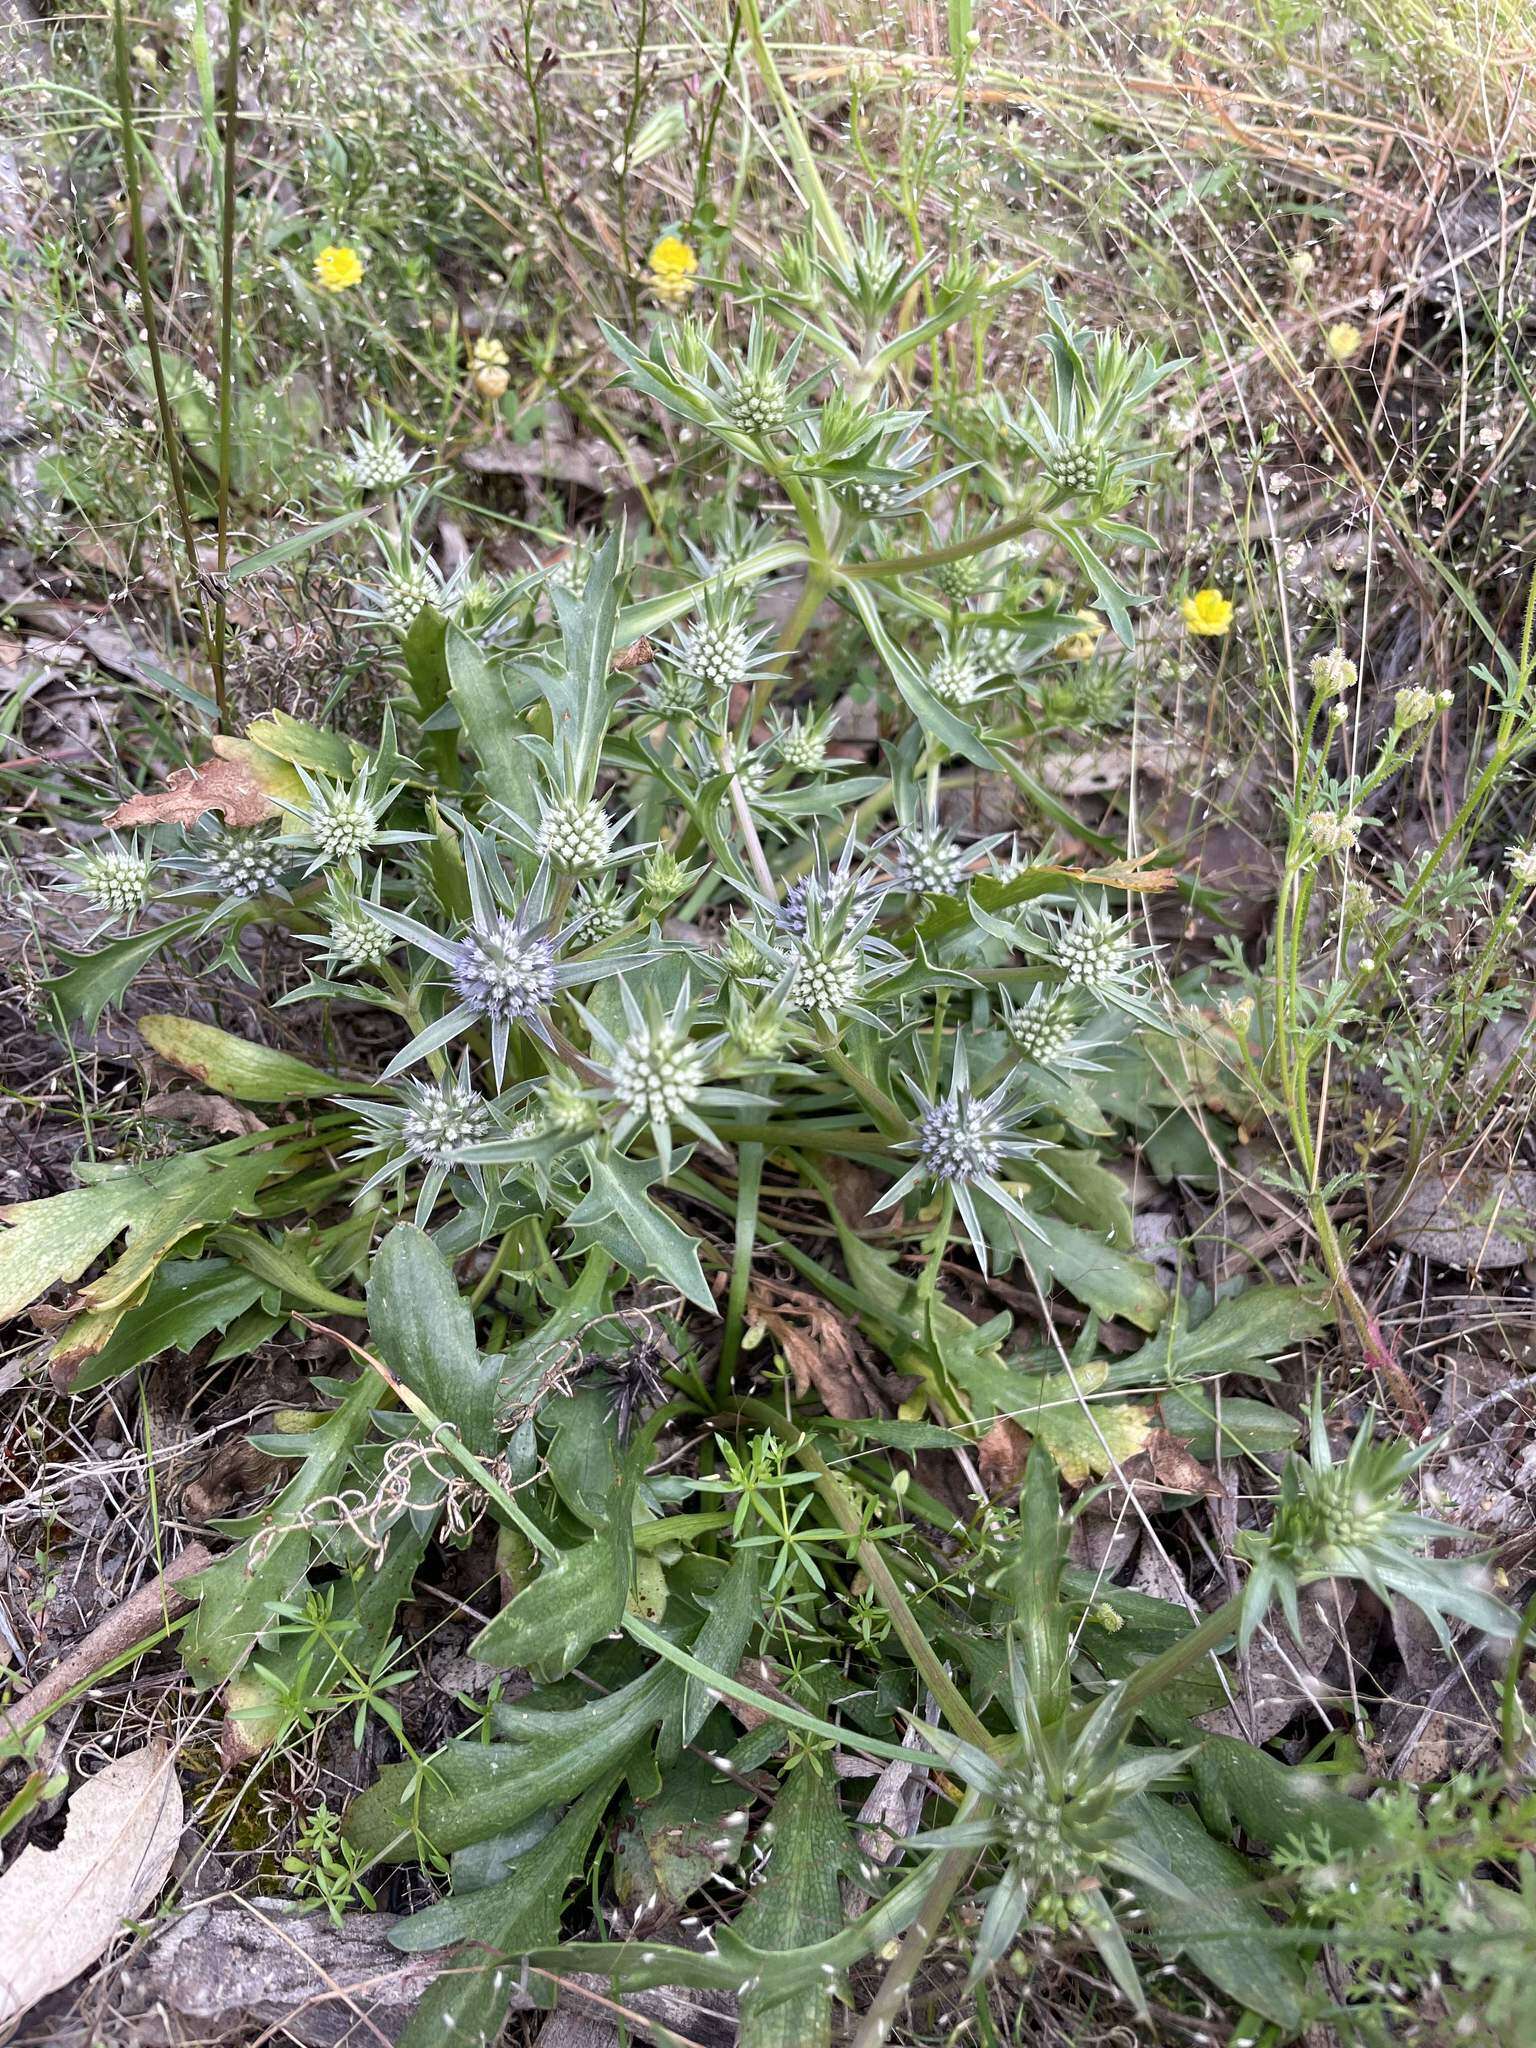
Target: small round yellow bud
491,381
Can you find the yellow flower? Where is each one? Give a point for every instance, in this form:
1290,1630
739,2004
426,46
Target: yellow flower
1343,341
672,264
488,353
338,267
1207,613
491,381
1080,646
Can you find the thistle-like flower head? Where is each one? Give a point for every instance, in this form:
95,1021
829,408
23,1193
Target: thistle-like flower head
343,821
964,1143
505,965
1344,1518
575,837
658,1072
380,460
237,862
353,937
431,1127
115,874
717,651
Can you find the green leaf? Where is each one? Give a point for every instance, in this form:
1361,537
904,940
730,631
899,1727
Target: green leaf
467,2004
795,1906
936,719
574,1602
733,1614
186,1300
1220,1923
471,1791
1085,1439
577,689
235,1066
158,1203
293,544
671,1845
1251,1428
285,1266
424,1331
91,982
1106,1280
494,717
1239,1786
644,1239
583,1456
1242,1331
236,1596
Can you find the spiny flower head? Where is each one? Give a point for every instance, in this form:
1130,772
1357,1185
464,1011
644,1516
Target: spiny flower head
928,861
1094,950
505,970
1344,1518
433,1125
380,460
343,821
338,267
1044,1024
658,1072
503,965
719,649
599,911
241,861
117,874
1080,467
574,836
963,1143
663,878
352,937
802,743
954,677
442,1117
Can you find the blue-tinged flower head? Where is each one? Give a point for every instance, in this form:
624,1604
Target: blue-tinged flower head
431,1127
964,1143
235,862
504,967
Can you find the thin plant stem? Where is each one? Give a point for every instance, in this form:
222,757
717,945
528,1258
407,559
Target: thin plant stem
226,358
133,194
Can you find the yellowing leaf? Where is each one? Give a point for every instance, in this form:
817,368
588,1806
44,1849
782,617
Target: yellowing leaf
61,1909
234,1066
1086,1439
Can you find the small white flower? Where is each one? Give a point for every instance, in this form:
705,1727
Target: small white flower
1521,861
1334,832
1333,673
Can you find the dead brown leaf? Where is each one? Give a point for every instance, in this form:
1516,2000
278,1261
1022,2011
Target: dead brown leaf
820,1349
60,1909
1172,1467
204,1113
222,784
1001,1455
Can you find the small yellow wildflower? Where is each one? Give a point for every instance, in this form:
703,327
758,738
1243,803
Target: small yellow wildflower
1343,341
1207,613
489,353
338,267
1079,646
672,264
491,381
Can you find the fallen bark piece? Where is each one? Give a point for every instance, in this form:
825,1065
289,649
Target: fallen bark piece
160,1597
61,1909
